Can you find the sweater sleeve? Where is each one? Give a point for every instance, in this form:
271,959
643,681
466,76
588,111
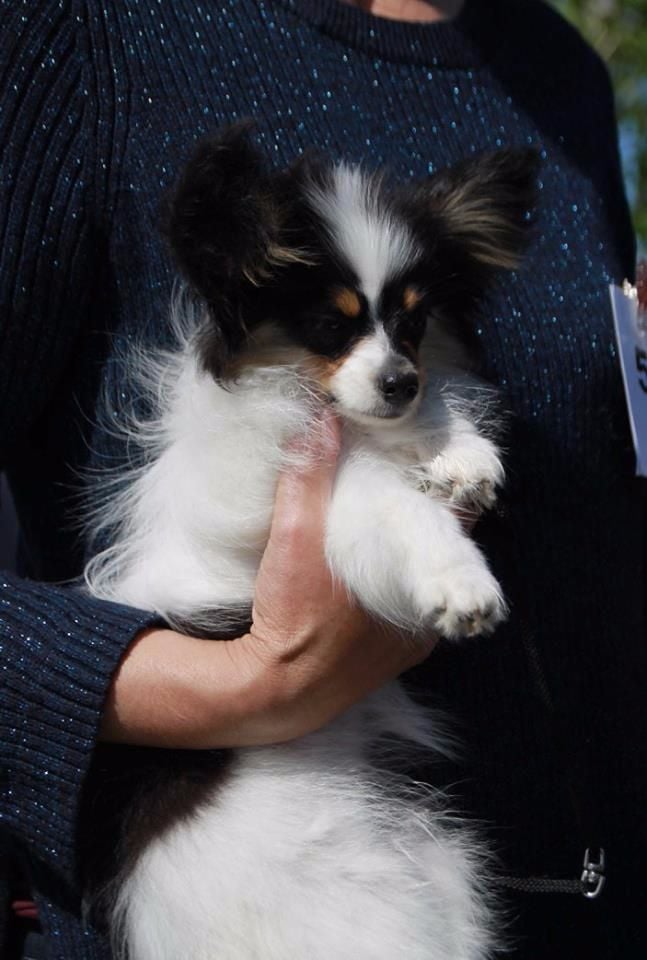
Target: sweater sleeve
58,647
614,197
602,150
58,650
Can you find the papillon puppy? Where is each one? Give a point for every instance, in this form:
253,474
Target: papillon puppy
319,284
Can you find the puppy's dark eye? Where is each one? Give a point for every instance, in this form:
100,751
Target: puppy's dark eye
411,325
327,326
328,332
414,320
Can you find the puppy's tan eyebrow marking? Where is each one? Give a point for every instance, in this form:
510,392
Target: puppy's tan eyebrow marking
411,297
347,301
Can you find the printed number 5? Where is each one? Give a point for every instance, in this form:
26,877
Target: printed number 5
641,367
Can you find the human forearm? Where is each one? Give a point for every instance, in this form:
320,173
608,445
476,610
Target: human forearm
176,691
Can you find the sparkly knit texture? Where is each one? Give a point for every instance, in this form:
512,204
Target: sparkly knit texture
99,105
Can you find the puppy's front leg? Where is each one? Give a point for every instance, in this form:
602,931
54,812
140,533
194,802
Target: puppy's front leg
458,463
404,555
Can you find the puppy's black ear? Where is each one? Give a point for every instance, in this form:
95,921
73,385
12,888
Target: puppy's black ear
482,205
224,220
473,220
478,208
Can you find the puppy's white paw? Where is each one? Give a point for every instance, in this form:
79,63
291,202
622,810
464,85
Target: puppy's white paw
463,601
466,476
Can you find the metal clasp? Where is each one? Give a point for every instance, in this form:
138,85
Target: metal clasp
593,878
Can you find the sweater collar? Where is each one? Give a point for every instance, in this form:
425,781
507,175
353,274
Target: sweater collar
466,41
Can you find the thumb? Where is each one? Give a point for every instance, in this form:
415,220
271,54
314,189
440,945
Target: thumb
304,487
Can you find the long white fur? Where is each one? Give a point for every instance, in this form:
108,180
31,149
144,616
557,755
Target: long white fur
308,849
304,853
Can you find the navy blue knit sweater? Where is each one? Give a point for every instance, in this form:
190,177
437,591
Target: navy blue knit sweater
100,101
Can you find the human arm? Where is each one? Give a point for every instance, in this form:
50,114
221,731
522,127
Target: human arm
58,648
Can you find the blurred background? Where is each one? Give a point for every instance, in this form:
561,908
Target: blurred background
618,31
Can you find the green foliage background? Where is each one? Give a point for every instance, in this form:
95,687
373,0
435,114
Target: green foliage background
618,31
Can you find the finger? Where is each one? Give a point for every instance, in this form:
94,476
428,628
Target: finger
318,447
304,488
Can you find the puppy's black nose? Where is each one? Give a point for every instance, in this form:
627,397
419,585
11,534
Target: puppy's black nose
399,388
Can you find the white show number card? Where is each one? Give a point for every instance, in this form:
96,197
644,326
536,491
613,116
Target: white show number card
631,334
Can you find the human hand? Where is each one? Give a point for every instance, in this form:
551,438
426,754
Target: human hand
310,654
317,651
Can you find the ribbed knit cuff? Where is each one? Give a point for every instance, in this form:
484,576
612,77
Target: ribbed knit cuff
58,652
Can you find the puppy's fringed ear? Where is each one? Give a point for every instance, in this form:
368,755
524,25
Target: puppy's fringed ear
480,207
484,204
225,217
473,220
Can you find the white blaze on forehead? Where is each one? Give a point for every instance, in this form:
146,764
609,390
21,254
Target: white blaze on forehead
376,245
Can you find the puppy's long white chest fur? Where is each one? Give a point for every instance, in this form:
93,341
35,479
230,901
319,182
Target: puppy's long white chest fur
325,292
306,849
